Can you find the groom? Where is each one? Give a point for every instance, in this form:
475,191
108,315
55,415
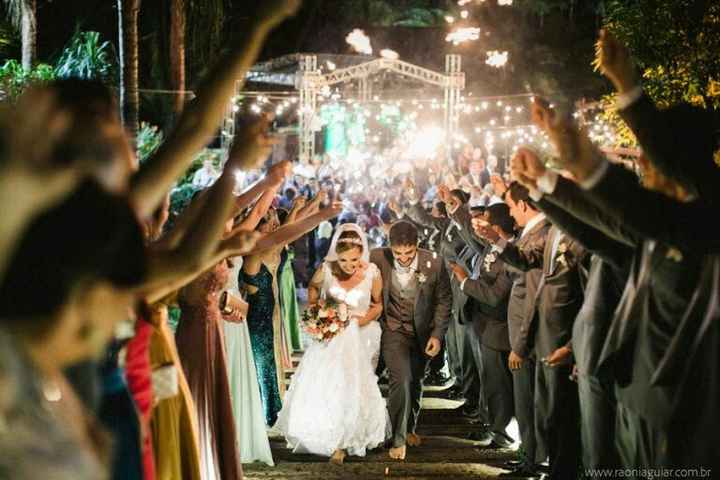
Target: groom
416,306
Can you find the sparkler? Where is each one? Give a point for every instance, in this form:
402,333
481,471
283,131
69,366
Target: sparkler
463,35
359,41
389,54
496,59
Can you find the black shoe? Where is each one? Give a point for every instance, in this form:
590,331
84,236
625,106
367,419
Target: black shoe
436,379
502,439
523,472
454,393
481,436
471,412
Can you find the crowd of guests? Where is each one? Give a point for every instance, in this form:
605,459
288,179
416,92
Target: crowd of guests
585,297
585,303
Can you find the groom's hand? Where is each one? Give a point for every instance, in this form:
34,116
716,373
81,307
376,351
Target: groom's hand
433,347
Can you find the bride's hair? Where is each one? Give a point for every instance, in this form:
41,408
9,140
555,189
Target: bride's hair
347,241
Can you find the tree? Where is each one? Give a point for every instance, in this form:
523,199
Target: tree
128,11
23,15
675,44
177,52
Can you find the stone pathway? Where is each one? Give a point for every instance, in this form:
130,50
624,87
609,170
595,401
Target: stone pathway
444,454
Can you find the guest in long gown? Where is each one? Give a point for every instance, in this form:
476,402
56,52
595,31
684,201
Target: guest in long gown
173,423
289,309
244,388
201,346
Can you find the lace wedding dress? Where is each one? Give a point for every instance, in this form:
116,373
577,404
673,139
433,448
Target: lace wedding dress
334,401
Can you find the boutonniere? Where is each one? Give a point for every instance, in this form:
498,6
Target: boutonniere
489,259
674,254
562,250
421,278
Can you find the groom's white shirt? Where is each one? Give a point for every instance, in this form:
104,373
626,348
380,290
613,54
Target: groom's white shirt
405,274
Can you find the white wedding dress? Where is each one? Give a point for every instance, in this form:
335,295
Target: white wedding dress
334,401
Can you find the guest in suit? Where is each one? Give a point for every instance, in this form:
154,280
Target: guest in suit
521,359
661,291
490,287
416,308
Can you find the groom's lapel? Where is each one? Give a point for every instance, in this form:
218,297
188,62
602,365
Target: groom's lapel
386,271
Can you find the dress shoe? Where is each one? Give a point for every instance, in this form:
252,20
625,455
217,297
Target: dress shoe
436,379
470,411
481,436
520,472
454,393
502,439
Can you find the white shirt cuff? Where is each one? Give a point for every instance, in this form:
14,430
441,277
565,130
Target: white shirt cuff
535,194
454,209
500,245
624,100
547,182
594,178
462,285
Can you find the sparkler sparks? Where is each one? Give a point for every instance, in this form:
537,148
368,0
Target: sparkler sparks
496,59
359,41
463,35
389,54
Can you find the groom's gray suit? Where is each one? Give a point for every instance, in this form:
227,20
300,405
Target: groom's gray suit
411,315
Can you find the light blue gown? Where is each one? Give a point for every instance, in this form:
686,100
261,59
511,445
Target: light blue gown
250,425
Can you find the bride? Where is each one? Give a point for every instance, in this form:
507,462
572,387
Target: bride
334,406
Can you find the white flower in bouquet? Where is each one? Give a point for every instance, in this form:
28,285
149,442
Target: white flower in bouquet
319,336
342,312
322,313
333,328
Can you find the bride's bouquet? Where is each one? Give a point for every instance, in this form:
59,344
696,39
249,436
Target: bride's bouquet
325,319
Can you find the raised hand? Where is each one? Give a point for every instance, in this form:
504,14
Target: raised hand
277,174
459,272
443,192
242,241
275,11
498,184
394,207
484,231
576,151
299,203
612,58
526,167
251,145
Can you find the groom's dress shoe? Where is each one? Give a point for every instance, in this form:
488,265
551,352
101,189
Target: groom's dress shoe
481,436
520,472
471,412
455,393
502,439
436,379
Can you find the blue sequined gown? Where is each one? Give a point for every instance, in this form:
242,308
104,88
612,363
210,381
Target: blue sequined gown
260,323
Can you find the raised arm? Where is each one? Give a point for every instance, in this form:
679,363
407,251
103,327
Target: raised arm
201,118
492,294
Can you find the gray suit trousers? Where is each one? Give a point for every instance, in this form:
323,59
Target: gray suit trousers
597,428
406,363
498,385
524,394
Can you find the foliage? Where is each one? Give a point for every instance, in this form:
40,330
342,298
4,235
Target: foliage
14,78
675,44
85,56
14,11
148,140
420,17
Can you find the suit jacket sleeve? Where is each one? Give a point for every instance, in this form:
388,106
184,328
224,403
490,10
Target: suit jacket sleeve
524,259
489,294
688,226
656,131
580,204
418,215
443,303
464,219
615,253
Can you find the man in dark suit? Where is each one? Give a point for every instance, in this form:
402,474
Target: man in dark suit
416,301
661,291
521,360
489,286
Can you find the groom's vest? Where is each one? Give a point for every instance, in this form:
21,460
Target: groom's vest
401,305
